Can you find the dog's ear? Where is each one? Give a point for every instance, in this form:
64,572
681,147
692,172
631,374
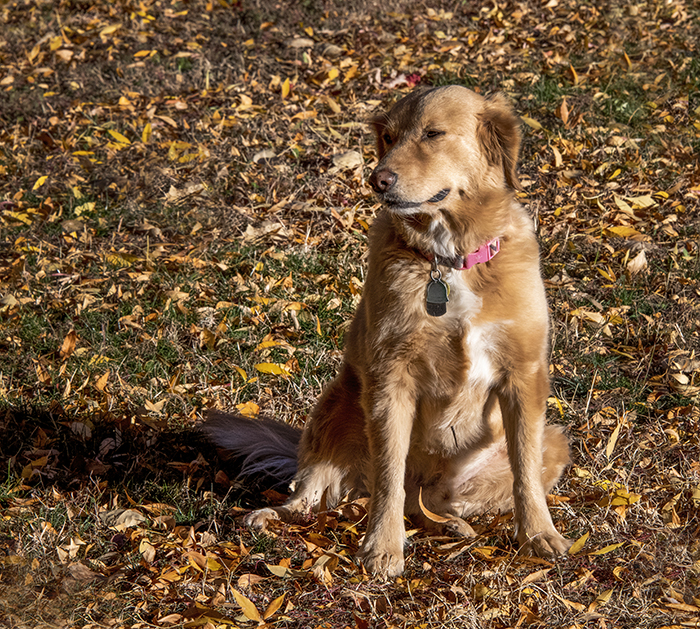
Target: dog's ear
499,136
379,123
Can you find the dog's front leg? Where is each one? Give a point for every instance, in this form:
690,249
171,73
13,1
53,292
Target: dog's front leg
390,411
523,399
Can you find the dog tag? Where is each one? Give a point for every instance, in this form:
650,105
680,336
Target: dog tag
436,298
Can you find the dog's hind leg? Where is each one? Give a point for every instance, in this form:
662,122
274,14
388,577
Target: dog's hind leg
332,455
308,489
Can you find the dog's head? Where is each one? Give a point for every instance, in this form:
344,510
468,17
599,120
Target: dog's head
439,148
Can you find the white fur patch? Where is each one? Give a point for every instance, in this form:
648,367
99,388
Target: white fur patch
480,342
464,303
442,239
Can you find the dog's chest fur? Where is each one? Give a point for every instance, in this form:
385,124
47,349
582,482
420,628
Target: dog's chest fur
463,351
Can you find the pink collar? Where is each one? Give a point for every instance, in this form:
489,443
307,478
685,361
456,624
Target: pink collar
463,263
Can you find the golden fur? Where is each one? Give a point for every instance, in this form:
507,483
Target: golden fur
453,405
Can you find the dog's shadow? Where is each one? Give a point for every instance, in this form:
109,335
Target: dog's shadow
44,447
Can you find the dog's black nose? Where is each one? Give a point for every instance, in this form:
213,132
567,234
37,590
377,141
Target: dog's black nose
382,180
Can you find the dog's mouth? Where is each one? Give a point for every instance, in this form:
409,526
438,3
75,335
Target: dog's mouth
396,203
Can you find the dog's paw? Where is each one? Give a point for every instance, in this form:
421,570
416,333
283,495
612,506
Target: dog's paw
382,562
544,544
260,518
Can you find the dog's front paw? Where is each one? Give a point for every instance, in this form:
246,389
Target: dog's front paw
260,518
546,544
382,563
382,559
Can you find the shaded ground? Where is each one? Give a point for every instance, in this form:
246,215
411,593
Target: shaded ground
183,219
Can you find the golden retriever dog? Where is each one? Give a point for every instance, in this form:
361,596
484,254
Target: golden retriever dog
443,389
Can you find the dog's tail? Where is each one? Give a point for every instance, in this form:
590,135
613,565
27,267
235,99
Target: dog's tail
266,447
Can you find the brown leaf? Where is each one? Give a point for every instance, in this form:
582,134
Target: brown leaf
80,572
434,517
562,111
638,263
68,345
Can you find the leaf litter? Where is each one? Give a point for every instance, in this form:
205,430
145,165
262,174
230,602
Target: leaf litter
183,215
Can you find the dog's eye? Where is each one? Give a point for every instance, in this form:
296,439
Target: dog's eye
387,138
433,133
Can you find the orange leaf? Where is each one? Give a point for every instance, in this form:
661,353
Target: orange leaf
102,381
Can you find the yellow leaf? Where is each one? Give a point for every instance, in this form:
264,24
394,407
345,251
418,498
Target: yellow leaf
574,76
273,607
241,373
285,88
613,440
557,402
118,136
623,497
318,326
249,610
85,207
275,369
40,182
108,30
213,565
98,359
249,409
195,565
532,123
333,73
146,135
18,216
601,599
579,543
266,344
607,549
625,231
